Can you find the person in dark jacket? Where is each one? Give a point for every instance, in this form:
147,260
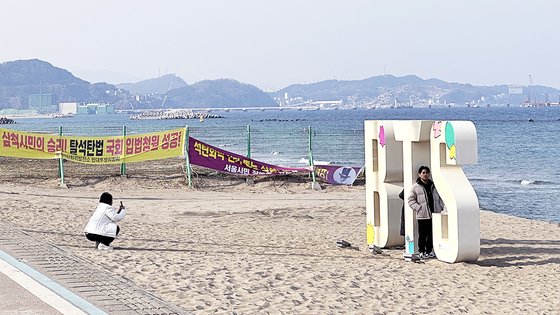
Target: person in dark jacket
425,200
401,195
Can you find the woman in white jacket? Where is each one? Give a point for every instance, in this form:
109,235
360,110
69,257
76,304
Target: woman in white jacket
102,227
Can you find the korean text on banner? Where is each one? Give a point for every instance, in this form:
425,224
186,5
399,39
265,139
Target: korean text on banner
125,149
30,145
208,156
94,150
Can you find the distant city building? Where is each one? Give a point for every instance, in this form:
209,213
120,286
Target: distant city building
42,103
68,108
95,109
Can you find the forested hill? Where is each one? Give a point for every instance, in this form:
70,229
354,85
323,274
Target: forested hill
157,85
207,93
220,93
35,72
388,89
19,79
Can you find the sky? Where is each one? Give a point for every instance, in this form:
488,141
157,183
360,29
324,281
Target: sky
272,44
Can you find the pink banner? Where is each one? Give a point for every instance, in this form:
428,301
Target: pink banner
209,156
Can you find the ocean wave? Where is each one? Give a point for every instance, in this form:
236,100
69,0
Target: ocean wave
227,145
522,182
479,179
306,161
525,182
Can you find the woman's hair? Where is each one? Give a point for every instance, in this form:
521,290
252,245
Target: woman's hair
106,198
423,167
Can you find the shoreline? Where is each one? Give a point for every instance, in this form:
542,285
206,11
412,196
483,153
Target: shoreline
165,174
27,116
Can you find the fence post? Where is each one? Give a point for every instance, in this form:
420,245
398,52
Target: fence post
249,180
249,141
187,159
61,162
123,165
315,185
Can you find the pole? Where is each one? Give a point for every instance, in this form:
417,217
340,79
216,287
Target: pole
249,180
314,185
61,161
123,165
249,141
187,159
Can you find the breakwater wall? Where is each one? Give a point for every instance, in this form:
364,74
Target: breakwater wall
175,114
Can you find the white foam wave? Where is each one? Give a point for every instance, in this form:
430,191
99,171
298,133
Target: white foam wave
226,145
306,161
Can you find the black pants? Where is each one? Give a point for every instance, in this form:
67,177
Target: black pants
425,240
105,240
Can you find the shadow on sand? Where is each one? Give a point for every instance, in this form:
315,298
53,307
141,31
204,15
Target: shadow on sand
518,253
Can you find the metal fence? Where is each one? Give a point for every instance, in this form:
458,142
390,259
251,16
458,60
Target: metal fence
285,145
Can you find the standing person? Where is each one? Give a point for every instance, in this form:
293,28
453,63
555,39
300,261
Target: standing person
401,195
102,226
425,200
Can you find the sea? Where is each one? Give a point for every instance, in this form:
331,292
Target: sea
518,169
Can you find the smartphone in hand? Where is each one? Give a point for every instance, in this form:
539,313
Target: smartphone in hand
120,207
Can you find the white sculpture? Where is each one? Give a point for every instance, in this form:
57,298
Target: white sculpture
394,151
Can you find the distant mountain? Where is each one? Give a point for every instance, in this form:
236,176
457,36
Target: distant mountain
219,93
19,79
34,72
158,85
410,89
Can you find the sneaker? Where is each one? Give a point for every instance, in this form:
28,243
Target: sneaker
375,250
102,246
431,254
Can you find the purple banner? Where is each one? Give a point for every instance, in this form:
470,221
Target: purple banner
209,156
337,174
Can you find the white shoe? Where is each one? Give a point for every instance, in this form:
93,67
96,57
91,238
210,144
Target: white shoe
431,255
102,246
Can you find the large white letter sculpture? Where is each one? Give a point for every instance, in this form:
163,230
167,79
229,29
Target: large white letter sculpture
384,159
394,152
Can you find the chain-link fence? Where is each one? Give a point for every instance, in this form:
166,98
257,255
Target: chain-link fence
285,145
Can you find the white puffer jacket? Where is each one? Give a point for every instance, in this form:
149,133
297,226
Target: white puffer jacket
418,201
104,220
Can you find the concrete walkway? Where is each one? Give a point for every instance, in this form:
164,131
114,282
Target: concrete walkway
39,278
14,299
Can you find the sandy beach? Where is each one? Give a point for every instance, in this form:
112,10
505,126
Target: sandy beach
224,246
